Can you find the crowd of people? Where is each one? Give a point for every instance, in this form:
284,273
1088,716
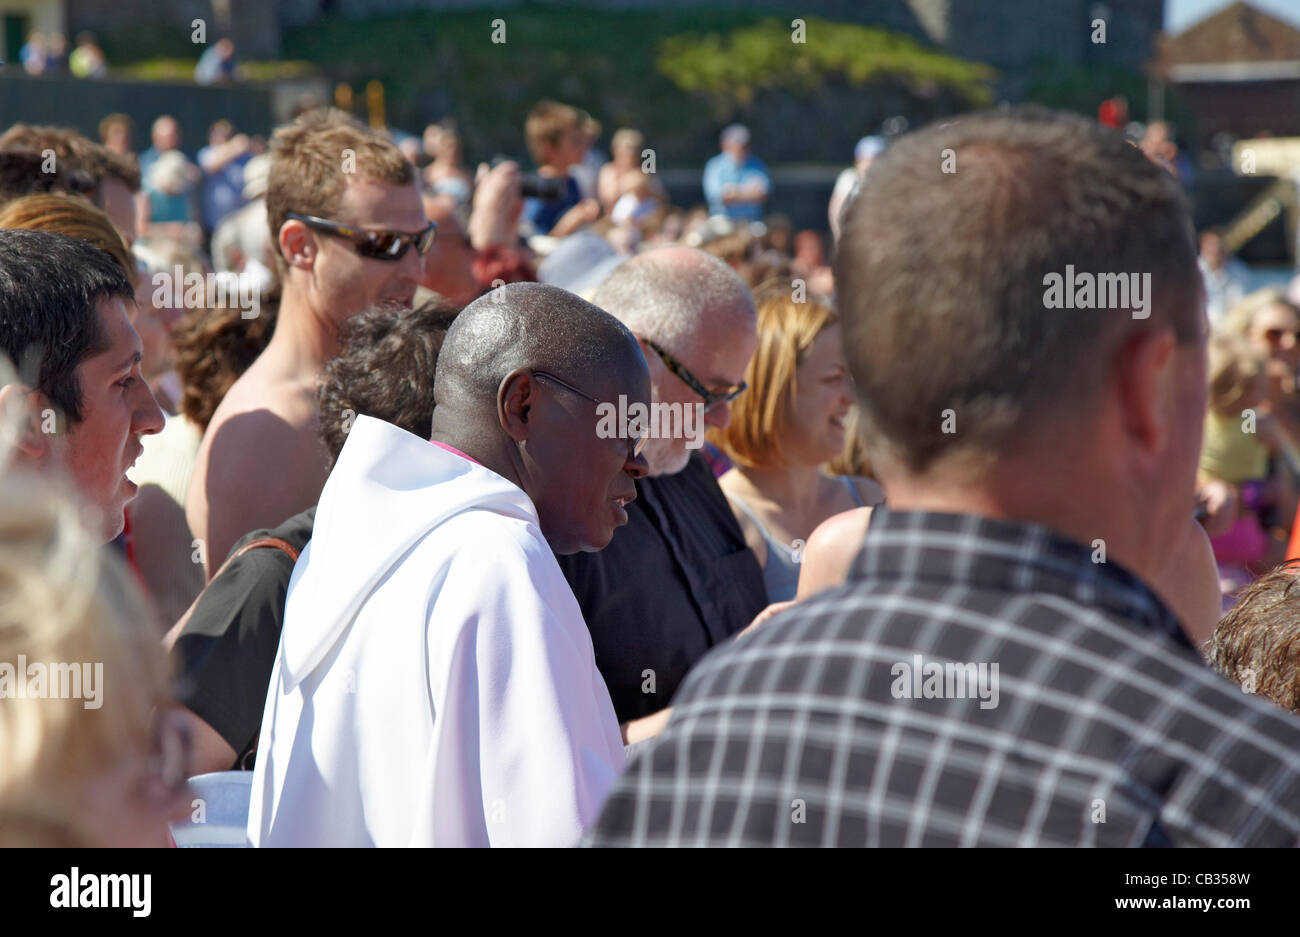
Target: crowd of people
484,506
48,55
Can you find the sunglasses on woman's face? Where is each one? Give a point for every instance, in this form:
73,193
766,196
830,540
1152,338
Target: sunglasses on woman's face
376,245
1276,335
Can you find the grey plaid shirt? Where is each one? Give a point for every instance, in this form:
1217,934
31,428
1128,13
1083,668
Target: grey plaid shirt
844,722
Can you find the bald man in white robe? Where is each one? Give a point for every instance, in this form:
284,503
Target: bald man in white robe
435,683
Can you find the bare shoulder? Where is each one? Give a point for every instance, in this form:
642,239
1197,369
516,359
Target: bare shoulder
844,529
292,401
260,462
264,436
262,423
830,551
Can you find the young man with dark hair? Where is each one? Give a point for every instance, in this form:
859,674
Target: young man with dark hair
997,669
64,324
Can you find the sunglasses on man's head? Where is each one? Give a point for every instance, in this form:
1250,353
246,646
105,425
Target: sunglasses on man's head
712,399
377,245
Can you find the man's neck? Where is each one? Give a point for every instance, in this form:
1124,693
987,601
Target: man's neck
493,454
1073,504
303,338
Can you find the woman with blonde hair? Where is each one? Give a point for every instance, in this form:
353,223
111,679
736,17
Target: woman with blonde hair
783,430
1270,323
81,675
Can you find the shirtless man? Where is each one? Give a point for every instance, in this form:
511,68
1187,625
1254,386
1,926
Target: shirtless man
337,195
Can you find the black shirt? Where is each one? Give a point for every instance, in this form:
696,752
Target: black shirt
226,651
676,580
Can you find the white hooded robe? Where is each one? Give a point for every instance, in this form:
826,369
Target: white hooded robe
435,683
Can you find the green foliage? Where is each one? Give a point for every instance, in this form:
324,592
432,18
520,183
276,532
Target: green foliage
127,45
444,64
730,70
673,71
169,69
155,52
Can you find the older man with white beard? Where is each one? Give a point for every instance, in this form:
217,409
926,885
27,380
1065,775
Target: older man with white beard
678,579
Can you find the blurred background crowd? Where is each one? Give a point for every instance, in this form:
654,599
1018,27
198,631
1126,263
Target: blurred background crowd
579,187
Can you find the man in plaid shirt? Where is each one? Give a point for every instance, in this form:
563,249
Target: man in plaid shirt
996,670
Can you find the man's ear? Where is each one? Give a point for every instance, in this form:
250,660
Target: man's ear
31,419
1147,383
516,398
297,245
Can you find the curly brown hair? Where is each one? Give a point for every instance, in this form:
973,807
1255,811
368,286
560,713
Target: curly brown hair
73,152
213,348
385,370
1257,644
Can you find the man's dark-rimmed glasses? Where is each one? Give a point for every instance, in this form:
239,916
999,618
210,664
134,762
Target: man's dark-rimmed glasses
643,432
712,399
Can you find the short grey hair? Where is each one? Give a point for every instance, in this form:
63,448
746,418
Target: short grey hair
526,325
665,297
